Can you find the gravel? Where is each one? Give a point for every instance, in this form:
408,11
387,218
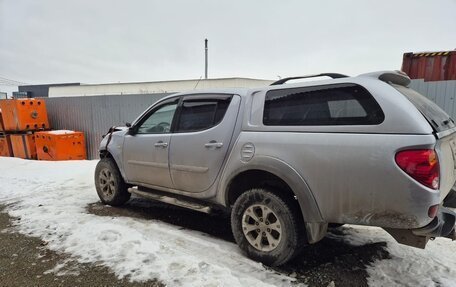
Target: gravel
25,261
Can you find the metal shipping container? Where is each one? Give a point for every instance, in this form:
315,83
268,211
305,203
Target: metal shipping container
430,66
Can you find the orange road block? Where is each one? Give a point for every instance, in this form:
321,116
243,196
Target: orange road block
60,145
24,114
23,145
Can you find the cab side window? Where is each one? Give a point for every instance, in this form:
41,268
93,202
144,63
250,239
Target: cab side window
160,120
201,114
341,104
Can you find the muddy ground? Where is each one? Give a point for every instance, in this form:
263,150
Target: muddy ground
25,261
328,261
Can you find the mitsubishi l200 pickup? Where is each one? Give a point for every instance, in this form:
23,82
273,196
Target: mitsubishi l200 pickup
288,159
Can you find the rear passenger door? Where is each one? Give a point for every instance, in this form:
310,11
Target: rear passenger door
201,138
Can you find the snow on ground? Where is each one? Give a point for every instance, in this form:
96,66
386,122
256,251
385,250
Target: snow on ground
408,266
51,199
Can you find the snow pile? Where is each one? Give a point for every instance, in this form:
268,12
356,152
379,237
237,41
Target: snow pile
433,266
60,132
51,199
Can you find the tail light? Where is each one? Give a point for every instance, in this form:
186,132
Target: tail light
420,164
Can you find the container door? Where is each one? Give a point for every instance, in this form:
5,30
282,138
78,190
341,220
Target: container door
146,148
200,142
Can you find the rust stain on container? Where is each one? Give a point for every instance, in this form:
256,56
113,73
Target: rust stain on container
1,121
430,66
23,145
5,146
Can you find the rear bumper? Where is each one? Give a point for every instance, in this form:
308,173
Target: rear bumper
443,225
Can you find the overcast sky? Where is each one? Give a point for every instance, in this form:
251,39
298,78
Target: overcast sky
53,41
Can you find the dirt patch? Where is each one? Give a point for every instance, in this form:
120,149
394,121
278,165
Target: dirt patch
330,260
25,261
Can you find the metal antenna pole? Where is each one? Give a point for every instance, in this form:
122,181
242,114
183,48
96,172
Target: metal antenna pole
205,63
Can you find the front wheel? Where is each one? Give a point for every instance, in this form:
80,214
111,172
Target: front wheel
268,227
109,183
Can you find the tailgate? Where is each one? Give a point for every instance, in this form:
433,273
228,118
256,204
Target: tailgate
446,150
445,131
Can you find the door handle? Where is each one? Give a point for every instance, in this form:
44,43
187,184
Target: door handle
213,144
161,144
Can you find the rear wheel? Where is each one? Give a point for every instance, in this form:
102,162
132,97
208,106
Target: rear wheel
268,227
109,183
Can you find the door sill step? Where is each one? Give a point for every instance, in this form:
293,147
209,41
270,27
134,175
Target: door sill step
170,200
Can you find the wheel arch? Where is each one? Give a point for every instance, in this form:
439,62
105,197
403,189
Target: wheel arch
106,153
264,170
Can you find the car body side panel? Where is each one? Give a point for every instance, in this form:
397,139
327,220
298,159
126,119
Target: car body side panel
353,178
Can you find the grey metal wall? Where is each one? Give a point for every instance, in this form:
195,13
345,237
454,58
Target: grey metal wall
95,115
442,92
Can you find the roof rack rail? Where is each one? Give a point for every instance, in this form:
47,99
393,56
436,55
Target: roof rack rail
331,75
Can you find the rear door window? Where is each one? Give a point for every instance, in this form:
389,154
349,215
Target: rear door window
197,115
437,117
342,104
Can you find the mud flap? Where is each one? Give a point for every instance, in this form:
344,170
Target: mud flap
407,237
443,225
450,200
316,231
452,235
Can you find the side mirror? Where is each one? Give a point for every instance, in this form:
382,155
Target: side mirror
128,125
132,130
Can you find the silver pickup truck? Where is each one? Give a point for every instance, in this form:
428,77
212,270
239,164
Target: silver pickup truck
286,160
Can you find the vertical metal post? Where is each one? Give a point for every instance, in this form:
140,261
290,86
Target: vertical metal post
205,62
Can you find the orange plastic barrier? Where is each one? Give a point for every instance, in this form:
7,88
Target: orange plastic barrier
23,145
5,146
24,114
60,145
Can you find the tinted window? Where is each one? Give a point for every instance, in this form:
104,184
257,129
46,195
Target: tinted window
345,104
198,115
159,121
439,120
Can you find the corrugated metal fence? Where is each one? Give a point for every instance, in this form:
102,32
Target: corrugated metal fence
95,115
443,93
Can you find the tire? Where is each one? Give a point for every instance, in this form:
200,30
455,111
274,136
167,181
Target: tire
111,187
282,233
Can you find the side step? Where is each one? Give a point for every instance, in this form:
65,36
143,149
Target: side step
170,200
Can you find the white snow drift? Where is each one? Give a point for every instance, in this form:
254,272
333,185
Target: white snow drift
51,199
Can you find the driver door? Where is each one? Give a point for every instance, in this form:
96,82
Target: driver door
146,147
